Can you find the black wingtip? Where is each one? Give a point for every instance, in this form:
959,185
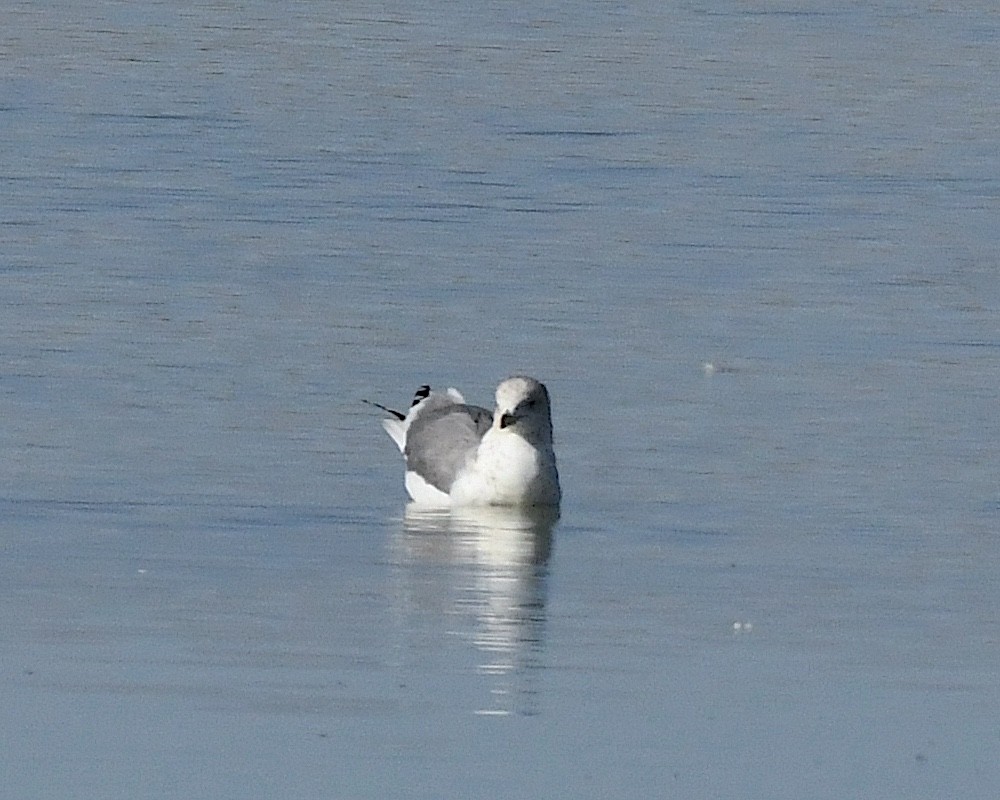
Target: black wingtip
396,414
421,394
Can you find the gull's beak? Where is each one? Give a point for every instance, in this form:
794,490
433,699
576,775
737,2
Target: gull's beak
506,420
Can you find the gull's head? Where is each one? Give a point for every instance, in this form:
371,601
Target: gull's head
523,408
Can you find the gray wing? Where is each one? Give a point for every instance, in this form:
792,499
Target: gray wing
440,440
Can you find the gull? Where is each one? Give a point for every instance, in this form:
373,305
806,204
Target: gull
462,455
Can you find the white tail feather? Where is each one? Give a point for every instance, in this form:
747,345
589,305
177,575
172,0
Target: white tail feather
396,428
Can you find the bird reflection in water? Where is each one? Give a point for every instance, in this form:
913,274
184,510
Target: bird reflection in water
486,569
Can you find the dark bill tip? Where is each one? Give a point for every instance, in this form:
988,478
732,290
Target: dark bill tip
507,420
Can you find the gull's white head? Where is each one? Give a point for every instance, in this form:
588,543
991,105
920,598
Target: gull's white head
523,408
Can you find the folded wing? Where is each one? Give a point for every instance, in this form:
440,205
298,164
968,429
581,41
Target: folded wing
441,439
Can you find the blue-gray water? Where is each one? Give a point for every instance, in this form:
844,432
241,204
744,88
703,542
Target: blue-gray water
752,248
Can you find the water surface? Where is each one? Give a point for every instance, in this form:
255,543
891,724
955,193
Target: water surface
751,249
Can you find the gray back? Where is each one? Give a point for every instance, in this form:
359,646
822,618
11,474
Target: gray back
440,440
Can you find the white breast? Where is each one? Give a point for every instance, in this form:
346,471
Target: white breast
507,471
